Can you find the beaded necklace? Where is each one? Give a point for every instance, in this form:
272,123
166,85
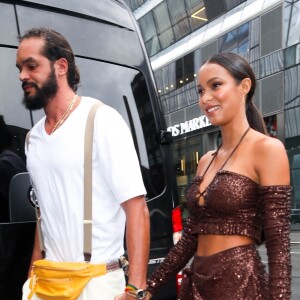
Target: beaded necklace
65,114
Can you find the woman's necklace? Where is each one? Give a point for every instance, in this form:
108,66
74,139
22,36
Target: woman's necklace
65,114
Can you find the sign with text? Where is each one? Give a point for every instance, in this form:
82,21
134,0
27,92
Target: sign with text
188,126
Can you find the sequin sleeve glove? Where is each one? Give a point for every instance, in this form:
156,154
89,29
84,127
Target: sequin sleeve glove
176,259
275,201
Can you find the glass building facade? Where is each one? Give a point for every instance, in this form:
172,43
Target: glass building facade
266,33
171,20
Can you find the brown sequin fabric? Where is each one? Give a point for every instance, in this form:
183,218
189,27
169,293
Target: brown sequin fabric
233,274
176,259
231,206
236,205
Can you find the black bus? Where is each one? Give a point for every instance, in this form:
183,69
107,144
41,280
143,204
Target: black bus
115,69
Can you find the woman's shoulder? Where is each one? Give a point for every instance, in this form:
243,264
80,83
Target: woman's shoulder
270,160
207,157
266,145
204,162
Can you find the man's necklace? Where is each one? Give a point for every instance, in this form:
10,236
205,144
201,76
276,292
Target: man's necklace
65,114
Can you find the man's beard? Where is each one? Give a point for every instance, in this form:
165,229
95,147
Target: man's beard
43,95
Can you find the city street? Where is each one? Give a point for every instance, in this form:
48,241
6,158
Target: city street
295,252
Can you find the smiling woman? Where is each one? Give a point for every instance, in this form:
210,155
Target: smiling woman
236,82
237,197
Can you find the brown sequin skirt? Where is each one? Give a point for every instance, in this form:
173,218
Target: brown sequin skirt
233,274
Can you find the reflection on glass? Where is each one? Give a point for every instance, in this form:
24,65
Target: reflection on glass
134,4
125,89
8,28
292,56
88,38
153,46
169,22
294,160
166,38
161,17
292,23
179,18
236,41
187,154
271,64
147,27
11,103
177,11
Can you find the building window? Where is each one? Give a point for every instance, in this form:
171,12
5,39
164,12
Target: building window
236,41
134,4
149,34
292,23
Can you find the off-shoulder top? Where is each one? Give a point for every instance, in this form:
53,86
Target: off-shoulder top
231,206
235,205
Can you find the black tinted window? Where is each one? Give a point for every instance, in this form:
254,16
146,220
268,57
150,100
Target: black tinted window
114,12
125,89
8,26
88,38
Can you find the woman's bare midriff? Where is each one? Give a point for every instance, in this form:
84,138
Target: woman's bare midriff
212,244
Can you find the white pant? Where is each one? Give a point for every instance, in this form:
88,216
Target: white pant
104,287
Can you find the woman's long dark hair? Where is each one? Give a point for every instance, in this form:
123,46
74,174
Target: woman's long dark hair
240,69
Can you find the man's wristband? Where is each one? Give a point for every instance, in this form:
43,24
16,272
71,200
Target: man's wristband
135,292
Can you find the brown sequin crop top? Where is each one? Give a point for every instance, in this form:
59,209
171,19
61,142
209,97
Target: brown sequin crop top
231,206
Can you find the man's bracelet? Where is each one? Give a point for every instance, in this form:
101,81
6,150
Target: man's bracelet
135,292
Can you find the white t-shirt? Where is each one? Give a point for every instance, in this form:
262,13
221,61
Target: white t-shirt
55,165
